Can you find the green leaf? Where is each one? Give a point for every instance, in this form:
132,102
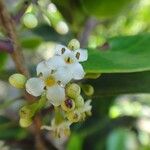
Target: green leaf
31,42
125,83
105,8
125,54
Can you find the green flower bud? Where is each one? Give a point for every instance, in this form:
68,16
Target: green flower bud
92,75
89,113
17,80
68,105
25,122
73,116
88,89
79,101
28,111
74,44
30,20
73,90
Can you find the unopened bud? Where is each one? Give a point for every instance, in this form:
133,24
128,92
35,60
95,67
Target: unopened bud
28,111
17,80
89,113
68,105
25,122
88,89
74,44
30,20
73,116
62,27
92,75
79,101
73,90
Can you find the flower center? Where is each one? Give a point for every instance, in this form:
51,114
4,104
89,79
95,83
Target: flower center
68,60
50,81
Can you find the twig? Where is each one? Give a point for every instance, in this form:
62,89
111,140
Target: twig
21,11
9,26
17,56
90,24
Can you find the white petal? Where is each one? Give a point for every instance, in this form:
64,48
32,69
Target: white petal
83,56
64,75
77,71
58,49
35,86
71,55
42,68
56,94
55,62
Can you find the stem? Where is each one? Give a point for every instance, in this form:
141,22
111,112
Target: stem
9,26
17,56
90,24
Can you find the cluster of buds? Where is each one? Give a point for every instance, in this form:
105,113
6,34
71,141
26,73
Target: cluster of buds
55,84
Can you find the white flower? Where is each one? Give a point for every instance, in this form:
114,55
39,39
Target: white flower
51,81
46,67
60,130
71,61
81,54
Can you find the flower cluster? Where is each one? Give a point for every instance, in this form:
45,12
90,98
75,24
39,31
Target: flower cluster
55,80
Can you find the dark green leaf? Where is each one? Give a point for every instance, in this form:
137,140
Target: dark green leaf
31,42
114,84
125,54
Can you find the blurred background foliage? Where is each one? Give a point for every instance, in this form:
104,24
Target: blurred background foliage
121,103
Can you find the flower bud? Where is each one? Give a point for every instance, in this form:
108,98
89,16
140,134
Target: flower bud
92,75
89,113
62,27
88,89
73,116
74,44
25,122
73,90
30,20
28,111
79,101
68,105
17,80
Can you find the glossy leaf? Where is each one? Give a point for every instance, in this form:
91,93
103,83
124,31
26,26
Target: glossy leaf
125,54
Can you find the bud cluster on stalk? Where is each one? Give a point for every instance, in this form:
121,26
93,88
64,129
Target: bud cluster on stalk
56,85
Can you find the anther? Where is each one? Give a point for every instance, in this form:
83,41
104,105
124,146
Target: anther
77,55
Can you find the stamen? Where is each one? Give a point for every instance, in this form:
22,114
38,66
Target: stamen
68,60
50,81
63,50
77,55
